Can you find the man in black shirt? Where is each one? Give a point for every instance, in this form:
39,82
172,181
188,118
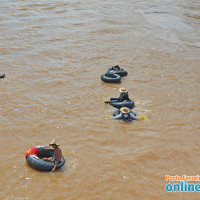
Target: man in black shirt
124,95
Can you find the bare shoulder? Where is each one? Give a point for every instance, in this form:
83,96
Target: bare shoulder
58,150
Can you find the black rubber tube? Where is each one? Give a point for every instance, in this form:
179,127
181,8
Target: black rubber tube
122,72
37,163
2,76
128,104
114,99
115,79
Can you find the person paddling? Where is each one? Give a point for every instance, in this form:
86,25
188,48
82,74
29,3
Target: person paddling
125,114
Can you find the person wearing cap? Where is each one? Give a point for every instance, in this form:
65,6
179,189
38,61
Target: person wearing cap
125,114
57,154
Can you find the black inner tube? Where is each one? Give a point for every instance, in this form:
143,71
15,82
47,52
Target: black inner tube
115,79
38,163
2,76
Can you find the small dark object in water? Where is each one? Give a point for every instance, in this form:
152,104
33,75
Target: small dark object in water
2,76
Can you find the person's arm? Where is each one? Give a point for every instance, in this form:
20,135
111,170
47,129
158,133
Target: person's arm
54,168
58,157
126,98
117,117
120,99
133,116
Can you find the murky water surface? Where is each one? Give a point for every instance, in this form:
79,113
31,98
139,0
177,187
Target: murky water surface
53,53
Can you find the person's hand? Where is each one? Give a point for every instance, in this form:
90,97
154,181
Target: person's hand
53,169
125,101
